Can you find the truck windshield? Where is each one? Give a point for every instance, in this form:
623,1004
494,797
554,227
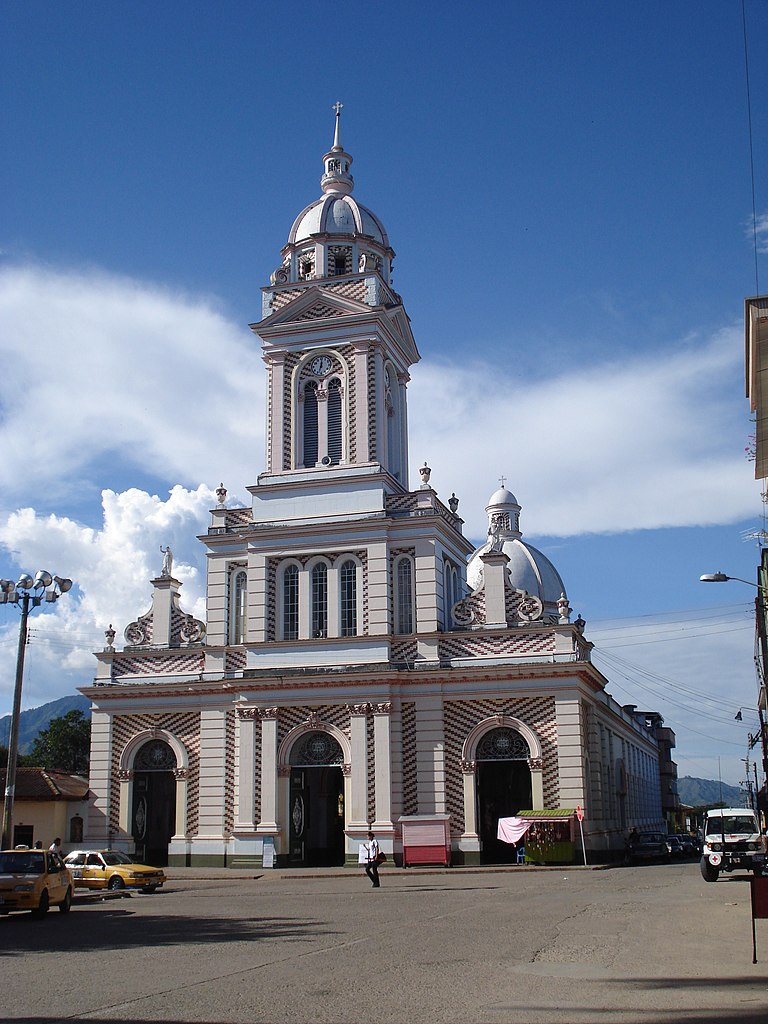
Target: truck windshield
730,824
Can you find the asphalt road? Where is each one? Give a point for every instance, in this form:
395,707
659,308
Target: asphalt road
646,944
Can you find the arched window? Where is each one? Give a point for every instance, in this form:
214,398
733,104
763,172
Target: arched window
334,421
310,424
291,603
348,598
404,596
237,607
319,606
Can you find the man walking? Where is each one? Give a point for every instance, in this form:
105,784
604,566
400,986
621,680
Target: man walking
372,863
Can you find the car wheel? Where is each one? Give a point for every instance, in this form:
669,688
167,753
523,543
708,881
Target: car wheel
66,905
149,889
116,883
708,873
42,907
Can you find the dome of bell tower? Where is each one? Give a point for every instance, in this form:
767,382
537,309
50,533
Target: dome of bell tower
335,235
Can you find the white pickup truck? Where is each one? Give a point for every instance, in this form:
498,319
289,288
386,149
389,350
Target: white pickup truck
732,839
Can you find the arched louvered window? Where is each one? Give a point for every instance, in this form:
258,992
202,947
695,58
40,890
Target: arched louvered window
449,585
291,603
310,424
348,598
334,421
404,596
237,610
319,591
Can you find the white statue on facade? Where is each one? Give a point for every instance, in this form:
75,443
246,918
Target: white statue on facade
167,569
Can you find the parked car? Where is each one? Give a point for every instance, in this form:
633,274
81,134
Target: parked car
111,869
676,847
650,846
34,880
691,844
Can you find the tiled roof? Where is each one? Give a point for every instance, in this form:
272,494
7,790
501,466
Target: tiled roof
39,784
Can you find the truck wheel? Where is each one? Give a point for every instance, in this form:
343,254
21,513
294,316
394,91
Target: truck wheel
708,873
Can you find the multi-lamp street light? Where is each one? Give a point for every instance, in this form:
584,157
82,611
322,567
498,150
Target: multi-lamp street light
27,593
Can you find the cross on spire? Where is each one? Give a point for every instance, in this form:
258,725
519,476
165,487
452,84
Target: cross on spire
502,480
337,107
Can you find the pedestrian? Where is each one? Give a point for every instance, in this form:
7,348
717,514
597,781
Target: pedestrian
372,862
39,844
55,846
629,845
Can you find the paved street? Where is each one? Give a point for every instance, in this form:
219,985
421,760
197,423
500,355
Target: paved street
646,944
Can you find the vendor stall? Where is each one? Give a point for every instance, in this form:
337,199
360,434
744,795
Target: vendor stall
547,836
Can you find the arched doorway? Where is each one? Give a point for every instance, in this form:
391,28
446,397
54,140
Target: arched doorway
316,812
503,789
154,801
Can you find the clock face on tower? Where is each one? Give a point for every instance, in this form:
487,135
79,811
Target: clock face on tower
321,365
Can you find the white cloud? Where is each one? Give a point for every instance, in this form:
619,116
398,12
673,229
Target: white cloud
645,444
112,567
97,365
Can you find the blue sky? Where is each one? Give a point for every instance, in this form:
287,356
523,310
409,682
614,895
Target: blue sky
567,187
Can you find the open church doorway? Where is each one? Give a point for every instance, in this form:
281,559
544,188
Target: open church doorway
153,814
503,789
316,809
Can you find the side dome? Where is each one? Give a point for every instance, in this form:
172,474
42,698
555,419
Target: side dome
529,569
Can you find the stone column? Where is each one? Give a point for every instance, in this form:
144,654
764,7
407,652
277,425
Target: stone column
361,402
268,821
469,779
274,430
97,824
383,766
246,801
357,820
180,825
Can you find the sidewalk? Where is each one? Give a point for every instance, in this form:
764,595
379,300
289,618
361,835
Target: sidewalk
390,869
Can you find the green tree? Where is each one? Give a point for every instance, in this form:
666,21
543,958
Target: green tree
65,745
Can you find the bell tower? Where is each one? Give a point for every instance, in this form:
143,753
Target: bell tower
336,340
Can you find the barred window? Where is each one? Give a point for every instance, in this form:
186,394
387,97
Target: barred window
291,603
310,424
320,600
334,421
404,596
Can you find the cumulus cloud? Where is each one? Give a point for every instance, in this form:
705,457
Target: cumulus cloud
112,567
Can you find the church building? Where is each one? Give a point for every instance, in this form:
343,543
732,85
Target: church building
362,665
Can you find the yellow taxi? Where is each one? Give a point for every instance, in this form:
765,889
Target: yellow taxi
34,880
111,869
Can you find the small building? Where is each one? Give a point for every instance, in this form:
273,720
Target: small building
48,804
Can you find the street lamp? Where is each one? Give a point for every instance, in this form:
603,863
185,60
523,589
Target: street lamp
720,577
25,592
761,610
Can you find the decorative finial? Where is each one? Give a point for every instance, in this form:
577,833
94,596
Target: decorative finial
109,634
336,162
425,472
453,503
221,494
502,480
337,133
